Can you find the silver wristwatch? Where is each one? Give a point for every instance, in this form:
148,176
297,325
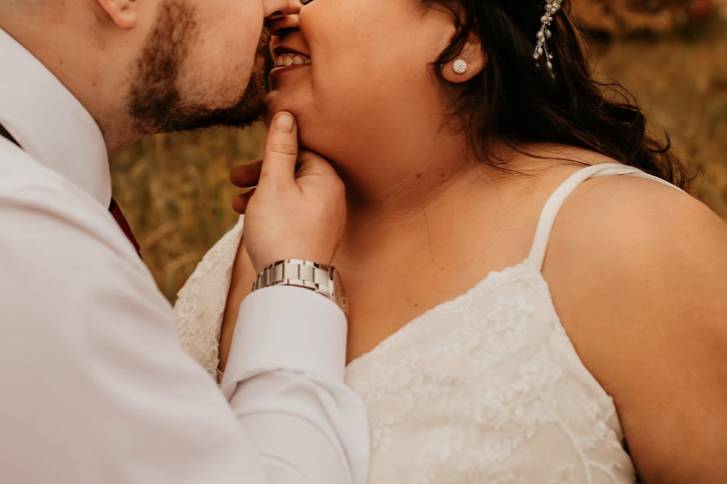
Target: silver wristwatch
320,278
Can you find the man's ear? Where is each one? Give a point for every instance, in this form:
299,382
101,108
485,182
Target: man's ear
123,13
468,64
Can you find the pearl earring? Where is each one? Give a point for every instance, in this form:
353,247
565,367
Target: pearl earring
460,66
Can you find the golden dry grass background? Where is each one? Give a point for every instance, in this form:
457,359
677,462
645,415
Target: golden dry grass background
175,189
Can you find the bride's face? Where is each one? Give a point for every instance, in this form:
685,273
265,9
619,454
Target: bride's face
357,71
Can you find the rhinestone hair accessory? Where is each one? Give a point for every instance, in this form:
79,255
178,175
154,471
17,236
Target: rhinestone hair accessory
544,34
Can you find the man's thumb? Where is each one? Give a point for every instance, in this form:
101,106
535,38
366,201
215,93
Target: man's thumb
281,149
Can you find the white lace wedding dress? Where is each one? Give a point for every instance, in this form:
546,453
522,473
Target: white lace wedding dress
484,388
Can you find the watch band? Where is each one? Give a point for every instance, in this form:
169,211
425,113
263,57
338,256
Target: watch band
302,273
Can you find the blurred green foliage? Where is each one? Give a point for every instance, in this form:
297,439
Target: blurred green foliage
176,193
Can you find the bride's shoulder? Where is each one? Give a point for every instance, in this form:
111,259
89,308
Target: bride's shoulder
635,226
624,214
634,210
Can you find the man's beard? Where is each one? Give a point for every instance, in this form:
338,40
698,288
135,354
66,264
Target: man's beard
155,102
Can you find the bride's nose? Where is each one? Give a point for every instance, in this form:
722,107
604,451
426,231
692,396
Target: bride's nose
275,9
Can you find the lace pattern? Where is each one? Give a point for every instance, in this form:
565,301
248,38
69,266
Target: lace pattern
200,304
488,388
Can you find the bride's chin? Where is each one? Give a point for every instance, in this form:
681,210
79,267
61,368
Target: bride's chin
276,101
311,131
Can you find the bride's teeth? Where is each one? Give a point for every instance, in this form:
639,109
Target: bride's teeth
287,60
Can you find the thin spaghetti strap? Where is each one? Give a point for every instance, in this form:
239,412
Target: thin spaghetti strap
561,194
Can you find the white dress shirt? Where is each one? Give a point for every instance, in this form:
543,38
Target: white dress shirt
94,386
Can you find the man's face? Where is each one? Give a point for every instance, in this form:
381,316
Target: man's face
202,66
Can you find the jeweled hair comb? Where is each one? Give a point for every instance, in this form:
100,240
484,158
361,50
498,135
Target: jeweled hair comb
544,34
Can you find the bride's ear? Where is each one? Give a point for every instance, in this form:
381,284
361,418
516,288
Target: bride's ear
470,62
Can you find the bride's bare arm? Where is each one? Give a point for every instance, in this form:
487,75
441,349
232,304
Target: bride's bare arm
643,296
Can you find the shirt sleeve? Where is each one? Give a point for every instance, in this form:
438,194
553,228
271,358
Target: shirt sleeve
96,388
285,372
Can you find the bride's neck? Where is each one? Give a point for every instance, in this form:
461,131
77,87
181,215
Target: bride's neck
407,179
399,183
434,194
426,196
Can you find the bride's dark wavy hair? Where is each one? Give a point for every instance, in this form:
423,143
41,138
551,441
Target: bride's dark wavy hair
517,100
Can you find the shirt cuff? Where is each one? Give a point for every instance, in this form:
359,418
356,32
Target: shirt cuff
284,328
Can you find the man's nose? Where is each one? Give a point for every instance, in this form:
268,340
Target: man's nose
280,8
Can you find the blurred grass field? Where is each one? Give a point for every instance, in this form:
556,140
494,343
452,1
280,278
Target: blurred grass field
175,189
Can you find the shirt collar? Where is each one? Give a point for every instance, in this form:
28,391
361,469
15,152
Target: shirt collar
50,123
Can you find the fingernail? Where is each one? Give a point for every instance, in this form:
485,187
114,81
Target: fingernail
285,122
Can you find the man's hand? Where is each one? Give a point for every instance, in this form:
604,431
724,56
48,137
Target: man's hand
291,214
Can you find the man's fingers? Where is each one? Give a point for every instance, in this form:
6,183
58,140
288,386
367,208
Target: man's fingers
313,164
246,175
240,202
281,150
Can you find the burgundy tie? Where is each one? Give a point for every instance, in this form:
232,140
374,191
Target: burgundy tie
113,208
124,225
